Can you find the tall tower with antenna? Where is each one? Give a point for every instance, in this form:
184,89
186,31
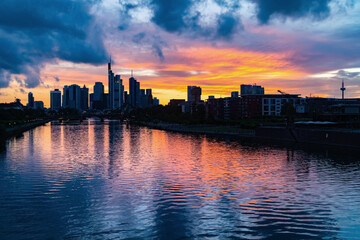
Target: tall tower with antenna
343,89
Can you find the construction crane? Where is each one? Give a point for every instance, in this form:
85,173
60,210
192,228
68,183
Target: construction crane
283,93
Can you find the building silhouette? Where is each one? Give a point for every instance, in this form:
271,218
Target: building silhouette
156,101
72,97
30,100
55,99
84,98
65,97
98,99
251,90
38,105
116,89
235,94
193,94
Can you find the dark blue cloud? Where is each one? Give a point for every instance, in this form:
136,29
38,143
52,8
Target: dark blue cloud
227,24
317,9
170,14
36,32
181,17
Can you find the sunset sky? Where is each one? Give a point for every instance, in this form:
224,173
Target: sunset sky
297,46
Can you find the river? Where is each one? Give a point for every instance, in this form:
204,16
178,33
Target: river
114,181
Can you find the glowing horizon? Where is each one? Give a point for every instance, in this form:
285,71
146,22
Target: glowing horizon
305,50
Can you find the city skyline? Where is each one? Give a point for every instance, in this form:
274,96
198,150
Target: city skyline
300,47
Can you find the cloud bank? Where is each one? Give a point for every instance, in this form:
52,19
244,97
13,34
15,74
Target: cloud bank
35,32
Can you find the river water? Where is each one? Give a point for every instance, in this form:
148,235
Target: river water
114,181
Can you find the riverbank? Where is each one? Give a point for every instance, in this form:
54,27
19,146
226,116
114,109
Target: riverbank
18,129
335,137
231,131
326,137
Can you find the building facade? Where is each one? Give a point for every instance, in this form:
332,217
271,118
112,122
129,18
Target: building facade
55,99
30,100
251,90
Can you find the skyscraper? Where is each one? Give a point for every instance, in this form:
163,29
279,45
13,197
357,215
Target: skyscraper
111,86
65,97
98,91
138,94
74,94
132,91
149,97
118,93
116,89
97,99
55,99
84,98
30,100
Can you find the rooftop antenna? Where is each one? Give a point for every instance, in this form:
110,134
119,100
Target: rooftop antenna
343,89
132,73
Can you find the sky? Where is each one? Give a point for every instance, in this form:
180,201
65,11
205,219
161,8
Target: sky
302,47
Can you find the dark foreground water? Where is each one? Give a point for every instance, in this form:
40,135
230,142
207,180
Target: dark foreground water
112,181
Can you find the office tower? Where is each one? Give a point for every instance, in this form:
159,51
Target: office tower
65,97
194,94
251,90
97,98
235,94
55,99
91,97
98,91
132,91
149,97
74,100
116,89
118,93
111,80
138,94
106,101
143,102
126,98
84,98
30,100
156,101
